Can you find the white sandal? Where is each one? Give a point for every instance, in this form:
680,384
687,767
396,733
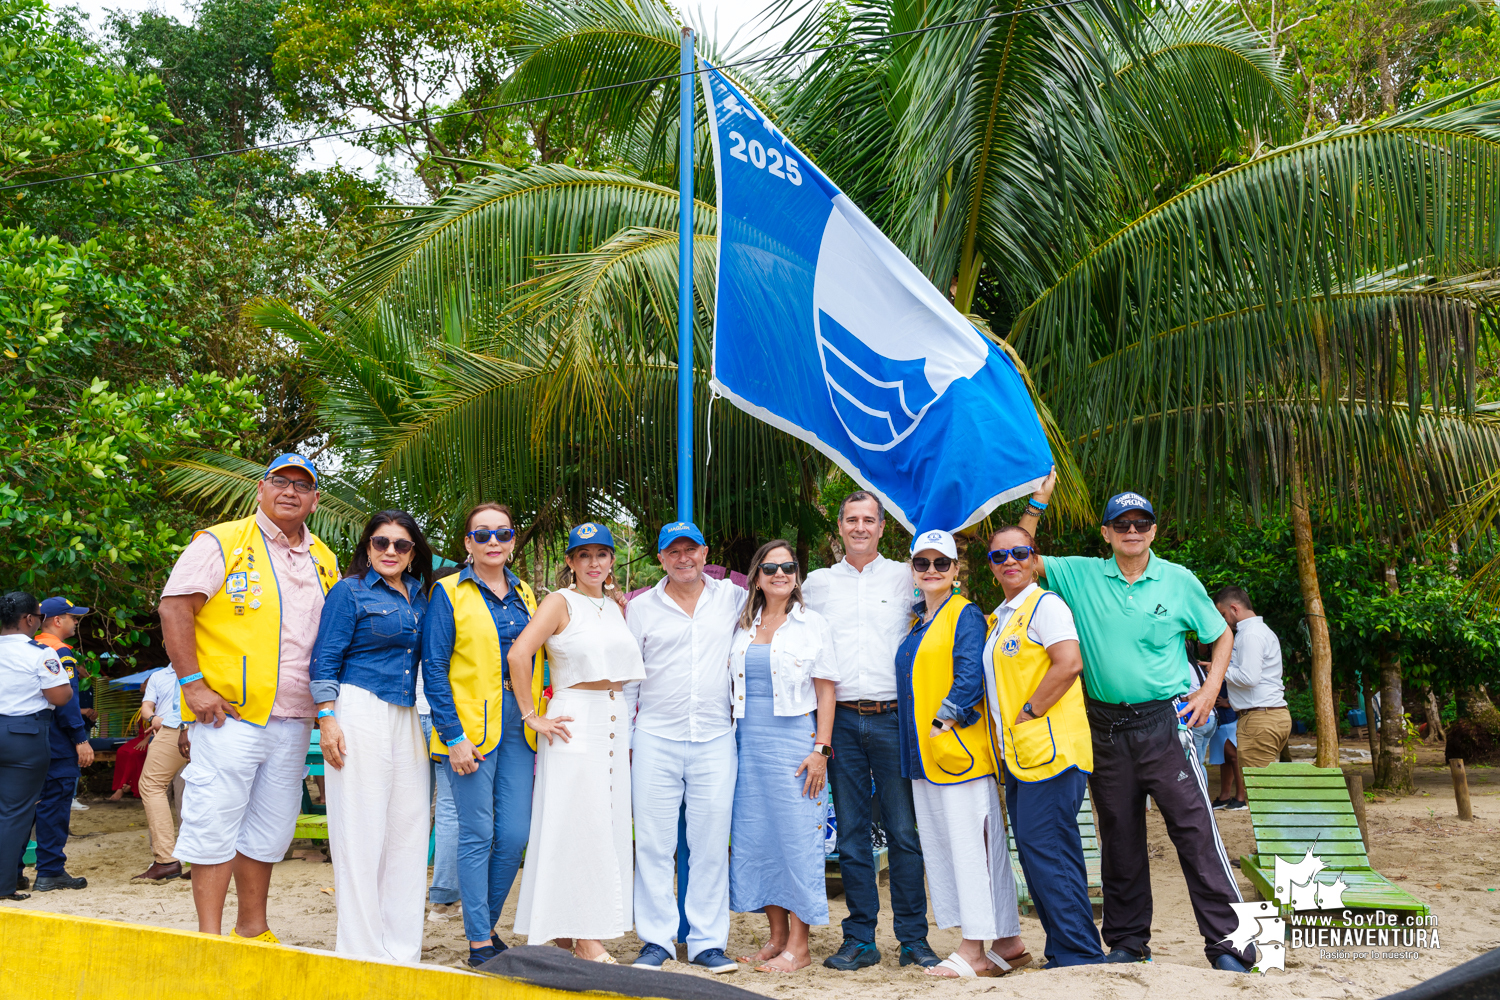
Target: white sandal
956,963
1005,968
605,957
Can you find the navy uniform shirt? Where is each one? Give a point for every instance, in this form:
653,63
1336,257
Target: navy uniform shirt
68,725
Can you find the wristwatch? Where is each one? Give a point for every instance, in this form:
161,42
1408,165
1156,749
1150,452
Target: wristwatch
824,749
1030,711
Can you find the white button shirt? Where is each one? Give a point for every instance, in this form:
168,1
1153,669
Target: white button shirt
686,693
1255,667
161,690
801,651
27,669
868,614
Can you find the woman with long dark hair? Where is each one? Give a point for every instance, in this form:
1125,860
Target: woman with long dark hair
364,681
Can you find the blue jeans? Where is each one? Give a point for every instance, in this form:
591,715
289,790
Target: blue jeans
1202,735
494,820
444,888
866,746
1044,818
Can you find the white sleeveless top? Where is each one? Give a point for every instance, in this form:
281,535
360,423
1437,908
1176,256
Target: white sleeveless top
596,645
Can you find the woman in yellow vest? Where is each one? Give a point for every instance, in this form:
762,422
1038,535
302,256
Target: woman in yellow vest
1032,663
473,618
946,752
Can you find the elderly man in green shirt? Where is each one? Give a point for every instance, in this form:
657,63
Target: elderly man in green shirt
1132,611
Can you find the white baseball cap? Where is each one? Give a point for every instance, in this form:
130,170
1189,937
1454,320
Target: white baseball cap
937,539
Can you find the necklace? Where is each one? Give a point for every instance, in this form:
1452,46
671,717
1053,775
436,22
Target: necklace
598,607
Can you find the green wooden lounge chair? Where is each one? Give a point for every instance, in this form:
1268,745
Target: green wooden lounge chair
1297,807
1090,857
312,824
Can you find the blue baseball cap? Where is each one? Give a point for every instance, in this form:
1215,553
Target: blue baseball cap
675,530
1121,502
53,606
590,533
291,460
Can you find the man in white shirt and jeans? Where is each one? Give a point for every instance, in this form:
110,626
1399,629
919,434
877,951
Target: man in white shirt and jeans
683,749
1256,691
867,601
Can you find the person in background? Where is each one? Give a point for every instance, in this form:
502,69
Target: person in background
70,752
160,708
1256,691
364,681
946,752
580,869
783,672
239,615
443,891
1032,664
1133,611
866,600
32,685
1213,741
474,617
684,735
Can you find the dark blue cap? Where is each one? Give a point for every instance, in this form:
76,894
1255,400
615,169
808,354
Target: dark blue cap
675,530
291,460
54,606
1121,502
590,533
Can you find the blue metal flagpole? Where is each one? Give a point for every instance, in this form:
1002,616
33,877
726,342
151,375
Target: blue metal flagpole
685,280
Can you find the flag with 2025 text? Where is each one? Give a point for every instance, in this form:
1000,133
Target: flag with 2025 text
825,329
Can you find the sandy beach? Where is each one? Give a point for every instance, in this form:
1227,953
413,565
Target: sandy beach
1416,840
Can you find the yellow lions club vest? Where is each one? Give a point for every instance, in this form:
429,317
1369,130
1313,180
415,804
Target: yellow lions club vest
1045,747
476,670
239,627
958,755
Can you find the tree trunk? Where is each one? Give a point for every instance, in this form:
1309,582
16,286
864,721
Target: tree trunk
1435,730
1478,707
1317,623
1391,767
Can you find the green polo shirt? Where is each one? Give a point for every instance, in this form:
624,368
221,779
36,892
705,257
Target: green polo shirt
1131,634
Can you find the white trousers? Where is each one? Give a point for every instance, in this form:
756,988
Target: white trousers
968,866
665,774
378,822
242,790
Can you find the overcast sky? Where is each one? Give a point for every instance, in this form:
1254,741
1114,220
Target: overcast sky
723,18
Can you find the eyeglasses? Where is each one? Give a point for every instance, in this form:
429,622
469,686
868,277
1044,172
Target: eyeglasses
1122,525
1019,553
922,564
401,545
771,569
483,535
300,485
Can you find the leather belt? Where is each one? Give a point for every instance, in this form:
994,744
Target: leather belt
1260,708
869,707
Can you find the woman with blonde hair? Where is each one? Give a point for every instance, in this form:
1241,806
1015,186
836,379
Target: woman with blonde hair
782,672
580,865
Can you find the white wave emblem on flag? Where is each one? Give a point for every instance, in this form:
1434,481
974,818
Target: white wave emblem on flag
890,345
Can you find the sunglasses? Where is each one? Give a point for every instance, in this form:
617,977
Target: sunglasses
771,569
483,535
1020,554
401,545
300,485
922,564
1122,525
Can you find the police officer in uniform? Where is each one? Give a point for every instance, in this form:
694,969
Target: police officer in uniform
31,683
70,752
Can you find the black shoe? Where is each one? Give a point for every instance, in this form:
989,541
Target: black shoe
1121,955
1221,803
46,883
1228,963
22,883
16,897
497,944
478,956
853,954
1235,805
918,952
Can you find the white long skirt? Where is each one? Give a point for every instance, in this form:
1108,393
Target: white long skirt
579,861
968,866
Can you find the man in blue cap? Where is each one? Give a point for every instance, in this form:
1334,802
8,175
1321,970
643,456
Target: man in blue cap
1133,610
71,752
684,750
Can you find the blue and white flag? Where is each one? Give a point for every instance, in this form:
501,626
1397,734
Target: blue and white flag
824,329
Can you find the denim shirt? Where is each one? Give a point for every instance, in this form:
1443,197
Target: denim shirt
369,636
964,695
511,618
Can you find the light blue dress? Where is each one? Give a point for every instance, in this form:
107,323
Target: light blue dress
776,836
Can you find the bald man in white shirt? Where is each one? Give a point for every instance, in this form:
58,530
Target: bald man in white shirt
1254,680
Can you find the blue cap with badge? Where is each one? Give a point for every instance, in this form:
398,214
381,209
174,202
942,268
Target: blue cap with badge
1122,502
590,533
291,460
675,530
54,606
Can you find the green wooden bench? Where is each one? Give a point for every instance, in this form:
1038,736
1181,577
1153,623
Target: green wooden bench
312,824
1297,807
1091,858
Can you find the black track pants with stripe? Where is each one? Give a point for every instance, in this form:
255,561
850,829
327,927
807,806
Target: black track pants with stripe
1139,751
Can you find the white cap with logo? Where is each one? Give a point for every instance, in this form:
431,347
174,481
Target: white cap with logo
938,540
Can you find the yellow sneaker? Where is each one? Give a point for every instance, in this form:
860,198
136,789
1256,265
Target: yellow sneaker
265,936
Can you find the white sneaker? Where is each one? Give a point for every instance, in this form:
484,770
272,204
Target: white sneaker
79,807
